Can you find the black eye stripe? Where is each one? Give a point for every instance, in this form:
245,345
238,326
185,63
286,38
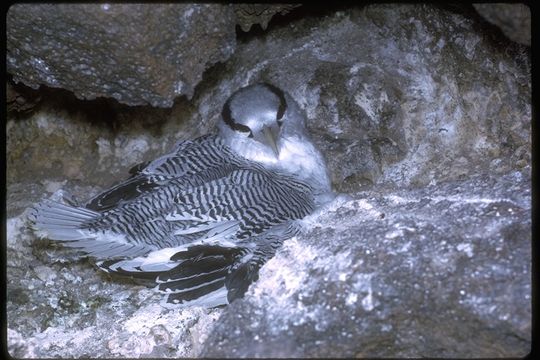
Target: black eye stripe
229,120
282,101
226,114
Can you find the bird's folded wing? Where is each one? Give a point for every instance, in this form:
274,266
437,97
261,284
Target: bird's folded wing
244,203
192,161
206,273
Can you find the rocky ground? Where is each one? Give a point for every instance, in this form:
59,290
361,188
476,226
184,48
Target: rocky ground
431,272
423,113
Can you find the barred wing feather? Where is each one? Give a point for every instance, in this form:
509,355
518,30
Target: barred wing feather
192,162
200,221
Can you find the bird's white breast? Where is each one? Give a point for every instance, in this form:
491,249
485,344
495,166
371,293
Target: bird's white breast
297,156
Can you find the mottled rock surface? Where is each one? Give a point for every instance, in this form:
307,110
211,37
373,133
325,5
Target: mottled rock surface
514,20
136,54
437,271
424,116
47,145
248,15
442,271
431,99
18,101
61,307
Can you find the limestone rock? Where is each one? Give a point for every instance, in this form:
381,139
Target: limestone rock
441,271
513,19
136,54
428,106
251,14
429,100
21,101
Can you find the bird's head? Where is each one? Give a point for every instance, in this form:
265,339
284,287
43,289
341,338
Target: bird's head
264,124
261,115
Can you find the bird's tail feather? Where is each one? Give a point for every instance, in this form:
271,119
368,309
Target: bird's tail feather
197,278
69,225
61,222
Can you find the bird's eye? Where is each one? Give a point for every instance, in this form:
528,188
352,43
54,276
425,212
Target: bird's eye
280,122
243,129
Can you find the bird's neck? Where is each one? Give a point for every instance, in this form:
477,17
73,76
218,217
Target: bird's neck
297,157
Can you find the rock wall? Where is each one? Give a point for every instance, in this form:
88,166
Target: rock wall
423,113
132,53
441,271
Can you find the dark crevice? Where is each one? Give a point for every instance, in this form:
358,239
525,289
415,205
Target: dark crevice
102,111
307,11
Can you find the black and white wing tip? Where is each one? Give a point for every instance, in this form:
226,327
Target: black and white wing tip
190,275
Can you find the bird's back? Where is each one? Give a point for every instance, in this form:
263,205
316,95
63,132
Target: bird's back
200,221
183,196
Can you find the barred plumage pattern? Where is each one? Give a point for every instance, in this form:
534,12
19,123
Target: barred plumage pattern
199,191
206,182
199,222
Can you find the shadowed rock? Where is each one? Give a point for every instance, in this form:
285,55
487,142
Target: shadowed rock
442,271
406,94
432,107
136,54
513,19
251,14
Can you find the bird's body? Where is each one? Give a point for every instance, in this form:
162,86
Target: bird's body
200,221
